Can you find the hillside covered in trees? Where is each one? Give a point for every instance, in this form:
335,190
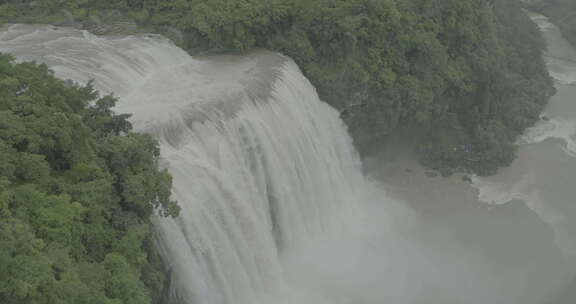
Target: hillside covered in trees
460,78
77,190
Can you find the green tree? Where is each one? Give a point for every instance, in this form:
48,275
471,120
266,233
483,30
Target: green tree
77,190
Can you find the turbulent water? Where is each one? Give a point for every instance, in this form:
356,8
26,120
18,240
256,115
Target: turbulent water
261,166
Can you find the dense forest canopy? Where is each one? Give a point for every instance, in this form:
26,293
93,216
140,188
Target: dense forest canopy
462,78
77,190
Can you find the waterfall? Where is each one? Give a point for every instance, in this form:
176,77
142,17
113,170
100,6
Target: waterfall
260,165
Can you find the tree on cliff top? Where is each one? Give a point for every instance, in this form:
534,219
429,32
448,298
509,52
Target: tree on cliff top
77,189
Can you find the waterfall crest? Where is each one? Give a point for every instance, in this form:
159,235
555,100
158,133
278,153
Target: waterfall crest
260,164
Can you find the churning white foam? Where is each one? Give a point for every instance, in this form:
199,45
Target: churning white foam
260,165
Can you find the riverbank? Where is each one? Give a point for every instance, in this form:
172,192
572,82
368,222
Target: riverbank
521,220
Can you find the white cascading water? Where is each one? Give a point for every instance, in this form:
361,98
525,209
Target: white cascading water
260,164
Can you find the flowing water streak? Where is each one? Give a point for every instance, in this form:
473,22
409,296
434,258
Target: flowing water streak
260,165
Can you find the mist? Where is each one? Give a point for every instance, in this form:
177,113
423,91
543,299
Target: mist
403,255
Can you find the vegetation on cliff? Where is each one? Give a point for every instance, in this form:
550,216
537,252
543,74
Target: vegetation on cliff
77,190
462,77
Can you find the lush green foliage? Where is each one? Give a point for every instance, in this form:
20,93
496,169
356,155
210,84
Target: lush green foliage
77,189
464,76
